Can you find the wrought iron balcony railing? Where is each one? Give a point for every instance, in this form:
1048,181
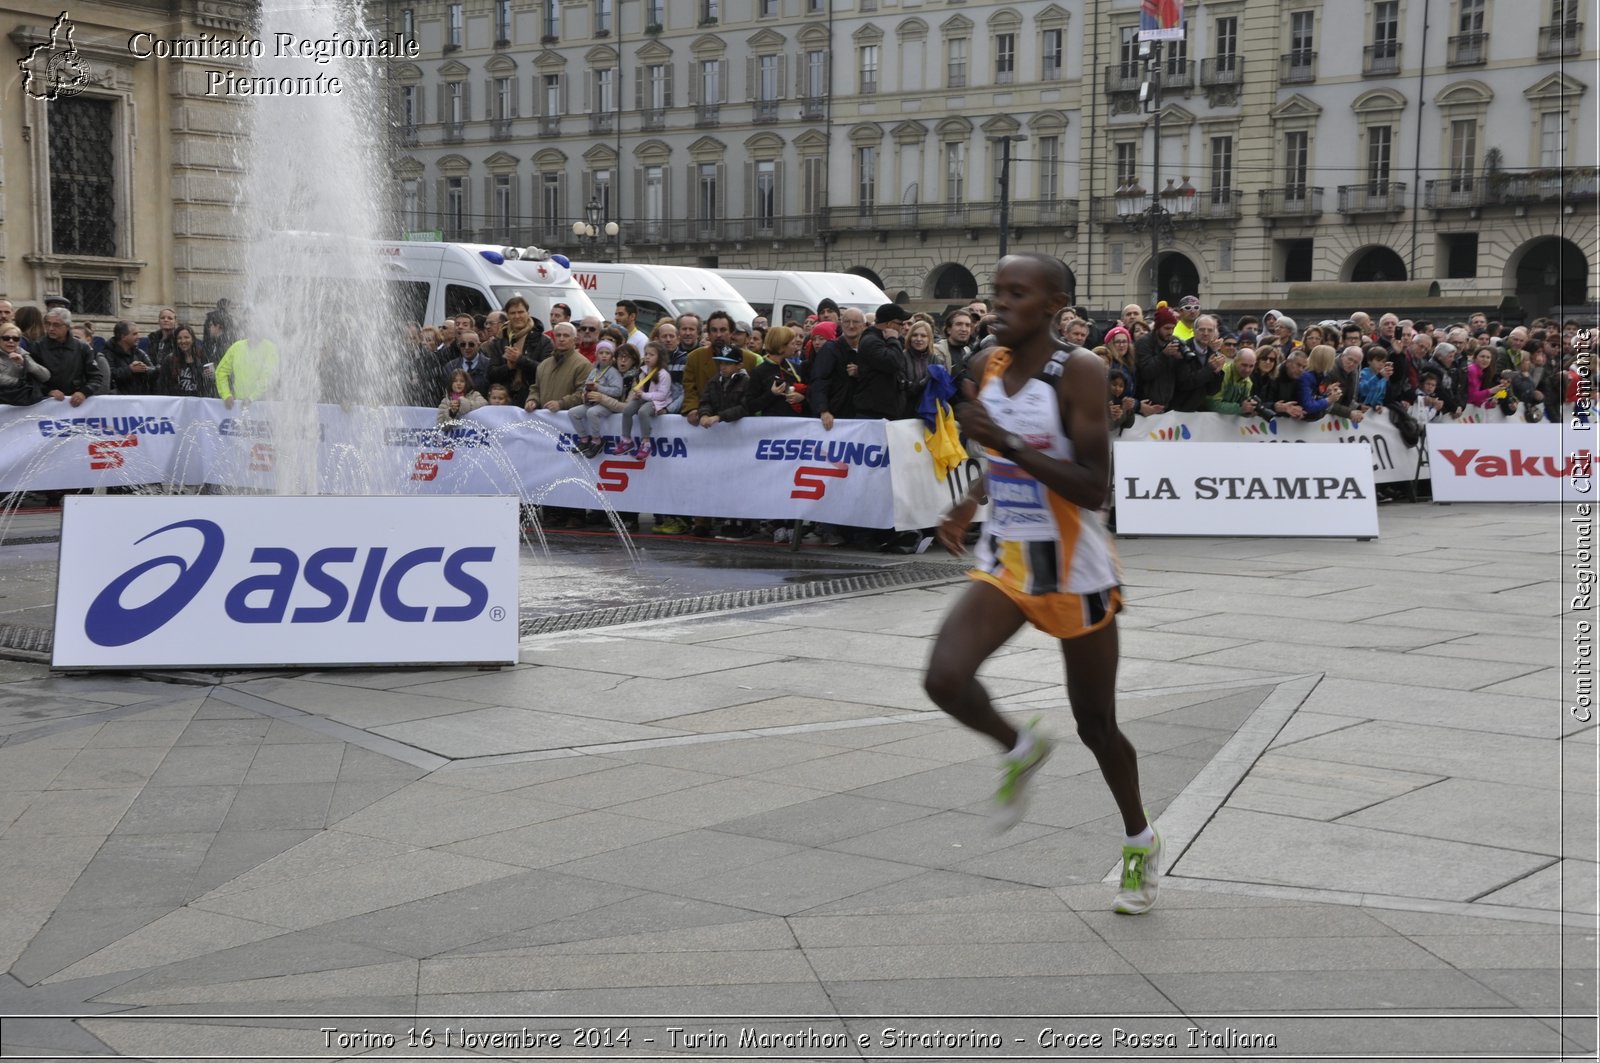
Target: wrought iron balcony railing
1373,197
1295,201
1297,67
1468,49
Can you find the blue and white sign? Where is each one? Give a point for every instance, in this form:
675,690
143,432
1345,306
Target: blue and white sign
185,581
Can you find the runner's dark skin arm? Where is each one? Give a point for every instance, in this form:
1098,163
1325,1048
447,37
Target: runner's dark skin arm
1080,391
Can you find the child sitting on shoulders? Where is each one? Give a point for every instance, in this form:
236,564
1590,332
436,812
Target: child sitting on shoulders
603,383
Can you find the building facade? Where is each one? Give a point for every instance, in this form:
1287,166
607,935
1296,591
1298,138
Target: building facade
1311,140
118,173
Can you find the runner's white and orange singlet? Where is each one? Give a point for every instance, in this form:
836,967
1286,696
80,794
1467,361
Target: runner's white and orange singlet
1050,556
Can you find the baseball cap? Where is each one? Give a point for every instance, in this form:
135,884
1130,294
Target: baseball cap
891,312
728,358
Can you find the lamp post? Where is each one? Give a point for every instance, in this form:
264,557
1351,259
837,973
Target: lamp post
1005,185
1164,207
588,232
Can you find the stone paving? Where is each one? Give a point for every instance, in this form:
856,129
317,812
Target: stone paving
1381,820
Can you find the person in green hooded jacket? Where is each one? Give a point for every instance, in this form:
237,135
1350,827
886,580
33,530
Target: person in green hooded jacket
1234,395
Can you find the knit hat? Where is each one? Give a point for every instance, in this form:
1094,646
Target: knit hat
605,345
1118,330
825,330
1165,315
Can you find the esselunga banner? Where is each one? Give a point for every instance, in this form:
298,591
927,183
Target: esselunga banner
250,580
862,473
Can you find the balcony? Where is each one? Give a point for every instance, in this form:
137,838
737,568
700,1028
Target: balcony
455,132
500,129
1124,78
602,121
1518,188
1468,49
1224,72
957,79
1462,192
1298,203
765,111
1177,75
1560,39
707,115
653,118
1219,204
502,38
980,216
1381,59
1374,197
550,125
719,230
1297,68
813,108
1004,77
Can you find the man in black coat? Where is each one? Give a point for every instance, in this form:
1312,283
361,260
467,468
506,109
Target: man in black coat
74,370
880,365
832,391
1171,375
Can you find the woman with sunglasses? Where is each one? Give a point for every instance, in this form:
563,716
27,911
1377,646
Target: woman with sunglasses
21,378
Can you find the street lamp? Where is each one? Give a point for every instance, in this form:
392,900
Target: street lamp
588,232
1005,184
1166,206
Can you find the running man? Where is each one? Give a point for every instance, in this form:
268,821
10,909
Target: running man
1043,557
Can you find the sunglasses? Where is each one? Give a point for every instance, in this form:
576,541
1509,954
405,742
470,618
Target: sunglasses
582,328
469,346
10,339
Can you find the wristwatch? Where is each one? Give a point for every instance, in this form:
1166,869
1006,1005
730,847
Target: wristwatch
1011,445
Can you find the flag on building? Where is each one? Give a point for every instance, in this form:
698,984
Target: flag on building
1161,20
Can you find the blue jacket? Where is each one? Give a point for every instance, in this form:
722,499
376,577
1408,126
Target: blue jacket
1311,400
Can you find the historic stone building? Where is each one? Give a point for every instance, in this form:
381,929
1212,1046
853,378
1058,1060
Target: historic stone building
117,173
1448,140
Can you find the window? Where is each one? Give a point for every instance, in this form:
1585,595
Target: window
410,107
813,6
455,206
454,38
502,21
1460,254
1471,17
464,299
605,92
602,18
1128,52
766,195
1177,59
552,95
1005,58
600,190
1221,169
1127,163
816,74
655,14
1564,12
411,204
550,20
1463,153
705,193
1295,146
659,96
867,178
505,98
710,81
503,212
1378,147
1293,260
1385,29
769,9
455,102
1049,168
1301,44
655,198
768,87
1226,50
82,182
550,205
955,174
869,69
708,11
1052,44
956,65
408,24
1552,139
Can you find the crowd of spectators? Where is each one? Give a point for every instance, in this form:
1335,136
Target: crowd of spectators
610,376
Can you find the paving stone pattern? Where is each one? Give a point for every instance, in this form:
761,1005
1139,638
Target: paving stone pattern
1372,801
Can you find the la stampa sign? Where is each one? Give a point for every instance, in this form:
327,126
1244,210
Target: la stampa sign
191,582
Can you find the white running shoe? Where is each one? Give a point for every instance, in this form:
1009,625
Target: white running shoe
1141,874
1011,799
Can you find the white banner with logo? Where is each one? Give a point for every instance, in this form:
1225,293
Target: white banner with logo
251,581
862,473
1512,462
1236,489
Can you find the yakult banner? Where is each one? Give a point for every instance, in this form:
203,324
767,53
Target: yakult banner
1241,490
249,581
1511,462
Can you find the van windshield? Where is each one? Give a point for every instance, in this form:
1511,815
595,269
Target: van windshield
702,308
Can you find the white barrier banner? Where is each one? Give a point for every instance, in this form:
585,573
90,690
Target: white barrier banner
1511,463
249,581
1237,489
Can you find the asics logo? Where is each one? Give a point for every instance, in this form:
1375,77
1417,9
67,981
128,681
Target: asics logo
110,623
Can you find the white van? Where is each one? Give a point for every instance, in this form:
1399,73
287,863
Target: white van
660,291
793,295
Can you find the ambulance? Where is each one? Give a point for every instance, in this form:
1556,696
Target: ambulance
793,295
659,291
